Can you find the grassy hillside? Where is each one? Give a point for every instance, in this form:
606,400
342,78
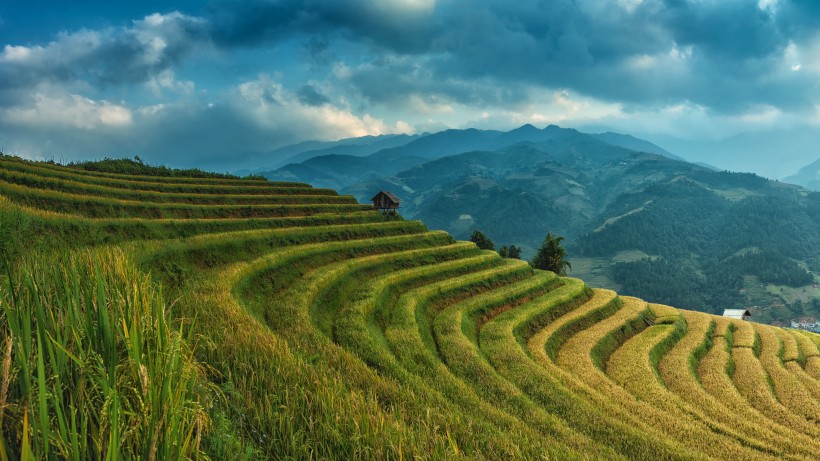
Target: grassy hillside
171,317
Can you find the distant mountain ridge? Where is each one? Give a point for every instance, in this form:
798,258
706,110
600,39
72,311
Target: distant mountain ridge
326,167
774,153
808,176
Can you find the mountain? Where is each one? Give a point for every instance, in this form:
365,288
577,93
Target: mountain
774,154
441,144
808,176
566,145
636,144
258,162
357,147
337,171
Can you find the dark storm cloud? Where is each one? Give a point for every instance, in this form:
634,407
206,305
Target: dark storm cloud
731,29
250,23
310,96
730,53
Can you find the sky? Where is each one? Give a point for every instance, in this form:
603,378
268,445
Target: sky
202,83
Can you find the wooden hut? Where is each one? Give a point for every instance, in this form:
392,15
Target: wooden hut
739,314
385,201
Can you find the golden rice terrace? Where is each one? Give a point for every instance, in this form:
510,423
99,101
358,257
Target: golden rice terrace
176,317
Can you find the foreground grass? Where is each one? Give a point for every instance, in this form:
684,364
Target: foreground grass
91,367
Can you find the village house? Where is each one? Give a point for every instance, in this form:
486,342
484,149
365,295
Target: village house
808,326
385,201
738,314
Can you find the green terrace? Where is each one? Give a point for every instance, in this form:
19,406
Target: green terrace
164,317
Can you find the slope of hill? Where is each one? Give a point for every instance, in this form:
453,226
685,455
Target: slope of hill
168,317
808,176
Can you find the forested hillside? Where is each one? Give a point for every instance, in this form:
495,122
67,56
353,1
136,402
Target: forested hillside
179,317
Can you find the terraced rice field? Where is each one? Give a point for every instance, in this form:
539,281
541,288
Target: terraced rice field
287,322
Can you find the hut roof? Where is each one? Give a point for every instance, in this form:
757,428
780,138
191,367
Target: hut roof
739,314
389,195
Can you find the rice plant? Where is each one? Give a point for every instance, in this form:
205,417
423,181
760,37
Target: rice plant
754,384
788,389
103,207
92,368
560,394
275,196
631,366
95,177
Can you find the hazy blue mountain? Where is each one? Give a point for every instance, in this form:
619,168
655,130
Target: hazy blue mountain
256,162
774,154
567,146
708,166
808,176
637,144
563,193
299,152
442,144
339,171
367,145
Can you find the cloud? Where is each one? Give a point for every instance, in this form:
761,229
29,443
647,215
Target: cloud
310,96
67,110
267,104
253,116
724,56
395,24
113,56
252,75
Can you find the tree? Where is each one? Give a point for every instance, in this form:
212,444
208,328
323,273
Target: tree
552,256
511,251
514,252
482,240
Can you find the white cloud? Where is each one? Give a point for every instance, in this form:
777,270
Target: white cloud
13,53
269,105
791,57
166,80
765,115
156,33
111,55
67,110
429,104
67,48
769,6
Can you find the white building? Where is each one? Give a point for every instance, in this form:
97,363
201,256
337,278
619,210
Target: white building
739,314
